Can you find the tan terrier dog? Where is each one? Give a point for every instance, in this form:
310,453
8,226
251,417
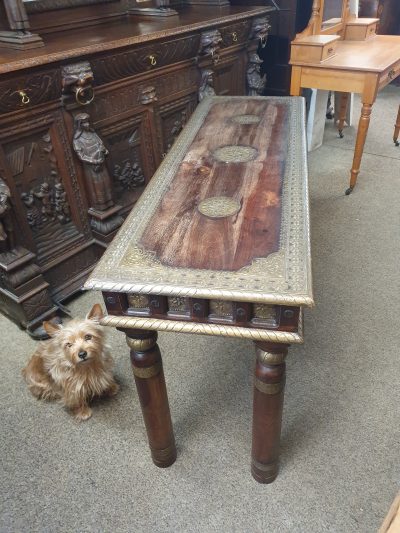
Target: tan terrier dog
73,366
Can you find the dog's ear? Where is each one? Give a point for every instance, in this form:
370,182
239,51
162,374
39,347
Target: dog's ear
51,329
96,313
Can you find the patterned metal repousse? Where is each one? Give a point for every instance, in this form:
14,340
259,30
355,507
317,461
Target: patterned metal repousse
283,277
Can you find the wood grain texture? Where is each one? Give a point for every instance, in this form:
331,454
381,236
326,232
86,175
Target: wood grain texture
181,236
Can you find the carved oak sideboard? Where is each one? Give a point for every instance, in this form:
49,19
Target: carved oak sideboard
84,122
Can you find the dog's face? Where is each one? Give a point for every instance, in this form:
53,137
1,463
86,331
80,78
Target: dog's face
80,341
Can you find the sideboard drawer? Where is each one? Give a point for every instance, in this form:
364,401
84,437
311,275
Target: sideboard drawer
30,90
389,75
234,34
145,58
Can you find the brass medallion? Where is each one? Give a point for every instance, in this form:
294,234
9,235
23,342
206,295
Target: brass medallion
235,153
246,119
219,207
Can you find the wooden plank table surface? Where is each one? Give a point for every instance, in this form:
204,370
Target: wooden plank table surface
218,244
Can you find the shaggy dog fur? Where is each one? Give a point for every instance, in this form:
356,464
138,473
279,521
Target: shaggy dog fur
73,366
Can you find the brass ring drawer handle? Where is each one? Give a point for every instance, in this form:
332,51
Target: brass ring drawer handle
153,60
84,95
330,50
24,97
391,74
234,37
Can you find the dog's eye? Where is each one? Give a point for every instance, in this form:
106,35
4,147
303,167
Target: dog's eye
68,345
88,337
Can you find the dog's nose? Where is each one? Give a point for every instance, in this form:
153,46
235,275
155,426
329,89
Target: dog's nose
82,355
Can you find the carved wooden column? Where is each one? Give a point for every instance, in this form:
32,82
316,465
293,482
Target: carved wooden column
208,56
17,35
150,383
269,383
78,92
256,81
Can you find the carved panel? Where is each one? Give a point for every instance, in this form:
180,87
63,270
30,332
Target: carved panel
131,160
123,64
38,88
235,33
173,117
40,189
229,75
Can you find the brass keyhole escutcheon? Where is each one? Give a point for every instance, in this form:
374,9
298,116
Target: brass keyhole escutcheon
234,37
153,60
24,97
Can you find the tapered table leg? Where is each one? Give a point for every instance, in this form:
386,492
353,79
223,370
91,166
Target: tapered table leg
150,383
360,142
269,383
344,104
397,129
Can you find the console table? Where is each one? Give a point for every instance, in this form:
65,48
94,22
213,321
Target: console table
347,56
86,119
218,244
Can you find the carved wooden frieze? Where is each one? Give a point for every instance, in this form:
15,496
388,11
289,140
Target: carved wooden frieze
25,91
118,100
123,64
235,33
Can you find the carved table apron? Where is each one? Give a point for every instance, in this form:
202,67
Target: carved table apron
218,244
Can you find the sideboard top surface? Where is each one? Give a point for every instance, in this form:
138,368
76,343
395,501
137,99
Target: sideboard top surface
226,214
84,42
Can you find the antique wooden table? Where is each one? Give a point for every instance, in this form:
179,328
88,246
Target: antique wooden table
218,244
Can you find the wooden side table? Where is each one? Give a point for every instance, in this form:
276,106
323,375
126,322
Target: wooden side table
363,67
218,244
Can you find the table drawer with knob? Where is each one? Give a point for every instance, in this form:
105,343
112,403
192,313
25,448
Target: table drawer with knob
389,75
234,34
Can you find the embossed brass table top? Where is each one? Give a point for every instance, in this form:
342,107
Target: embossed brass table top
226,215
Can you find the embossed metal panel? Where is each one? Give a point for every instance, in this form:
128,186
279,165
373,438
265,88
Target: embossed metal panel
260,253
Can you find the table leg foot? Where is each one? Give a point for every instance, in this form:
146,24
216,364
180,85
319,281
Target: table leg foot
150,383
269,383
397,129
341,135
348,191
360,142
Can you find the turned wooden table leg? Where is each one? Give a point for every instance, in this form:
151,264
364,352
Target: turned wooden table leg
360,142
150,383
269,383
344,104
397,129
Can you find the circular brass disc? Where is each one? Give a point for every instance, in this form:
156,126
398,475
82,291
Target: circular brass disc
219,207
235,153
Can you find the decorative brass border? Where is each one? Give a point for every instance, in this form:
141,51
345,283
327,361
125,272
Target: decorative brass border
156,324
283,277
147,372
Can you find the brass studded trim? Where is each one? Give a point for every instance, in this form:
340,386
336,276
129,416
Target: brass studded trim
141,345
269,388
220,330
147,371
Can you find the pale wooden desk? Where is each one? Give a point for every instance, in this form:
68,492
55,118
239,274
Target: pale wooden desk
363,67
